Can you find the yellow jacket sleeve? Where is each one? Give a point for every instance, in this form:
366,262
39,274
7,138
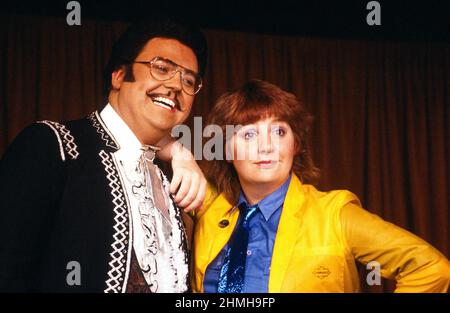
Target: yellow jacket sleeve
412,262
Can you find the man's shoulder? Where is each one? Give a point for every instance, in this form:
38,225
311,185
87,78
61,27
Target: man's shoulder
35,143
70,126
70,135
36,136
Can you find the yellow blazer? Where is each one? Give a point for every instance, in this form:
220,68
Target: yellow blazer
319,237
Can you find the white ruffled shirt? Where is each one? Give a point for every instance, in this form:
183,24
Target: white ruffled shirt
157,241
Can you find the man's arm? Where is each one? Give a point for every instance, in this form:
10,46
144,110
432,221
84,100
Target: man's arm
31,176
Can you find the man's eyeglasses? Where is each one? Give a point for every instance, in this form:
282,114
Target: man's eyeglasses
165,69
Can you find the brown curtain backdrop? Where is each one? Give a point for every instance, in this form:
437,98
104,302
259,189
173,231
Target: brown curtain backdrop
381,109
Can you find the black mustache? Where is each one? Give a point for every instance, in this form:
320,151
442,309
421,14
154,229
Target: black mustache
175,100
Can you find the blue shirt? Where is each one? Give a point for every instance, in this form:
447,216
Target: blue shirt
262,231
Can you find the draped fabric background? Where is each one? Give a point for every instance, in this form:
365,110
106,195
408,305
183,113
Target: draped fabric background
381,108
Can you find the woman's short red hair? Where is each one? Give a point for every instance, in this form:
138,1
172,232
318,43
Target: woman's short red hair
248,104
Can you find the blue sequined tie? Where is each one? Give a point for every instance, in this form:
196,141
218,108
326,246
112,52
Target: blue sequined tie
231,279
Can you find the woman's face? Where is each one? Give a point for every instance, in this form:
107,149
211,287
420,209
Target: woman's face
263,153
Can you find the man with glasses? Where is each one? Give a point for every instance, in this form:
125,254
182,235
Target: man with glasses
84,208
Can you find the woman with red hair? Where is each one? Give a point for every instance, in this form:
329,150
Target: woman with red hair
266,228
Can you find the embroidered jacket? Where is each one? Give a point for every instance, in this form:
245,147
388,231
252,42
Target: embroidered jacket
65,221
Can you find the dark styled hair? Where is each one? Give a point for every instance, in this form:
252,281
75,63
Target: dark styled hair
248,104
133,40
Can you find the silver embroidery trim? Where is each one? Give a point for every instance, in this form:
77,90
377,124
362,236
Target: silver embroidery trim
61,148
67,139
129,232
101,128
115,282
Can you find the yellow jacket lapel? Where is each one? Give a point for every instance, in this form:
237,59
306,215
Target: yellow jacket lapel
287,234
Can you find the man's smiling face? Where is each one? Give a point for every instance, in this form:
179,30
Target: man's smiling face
152,107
